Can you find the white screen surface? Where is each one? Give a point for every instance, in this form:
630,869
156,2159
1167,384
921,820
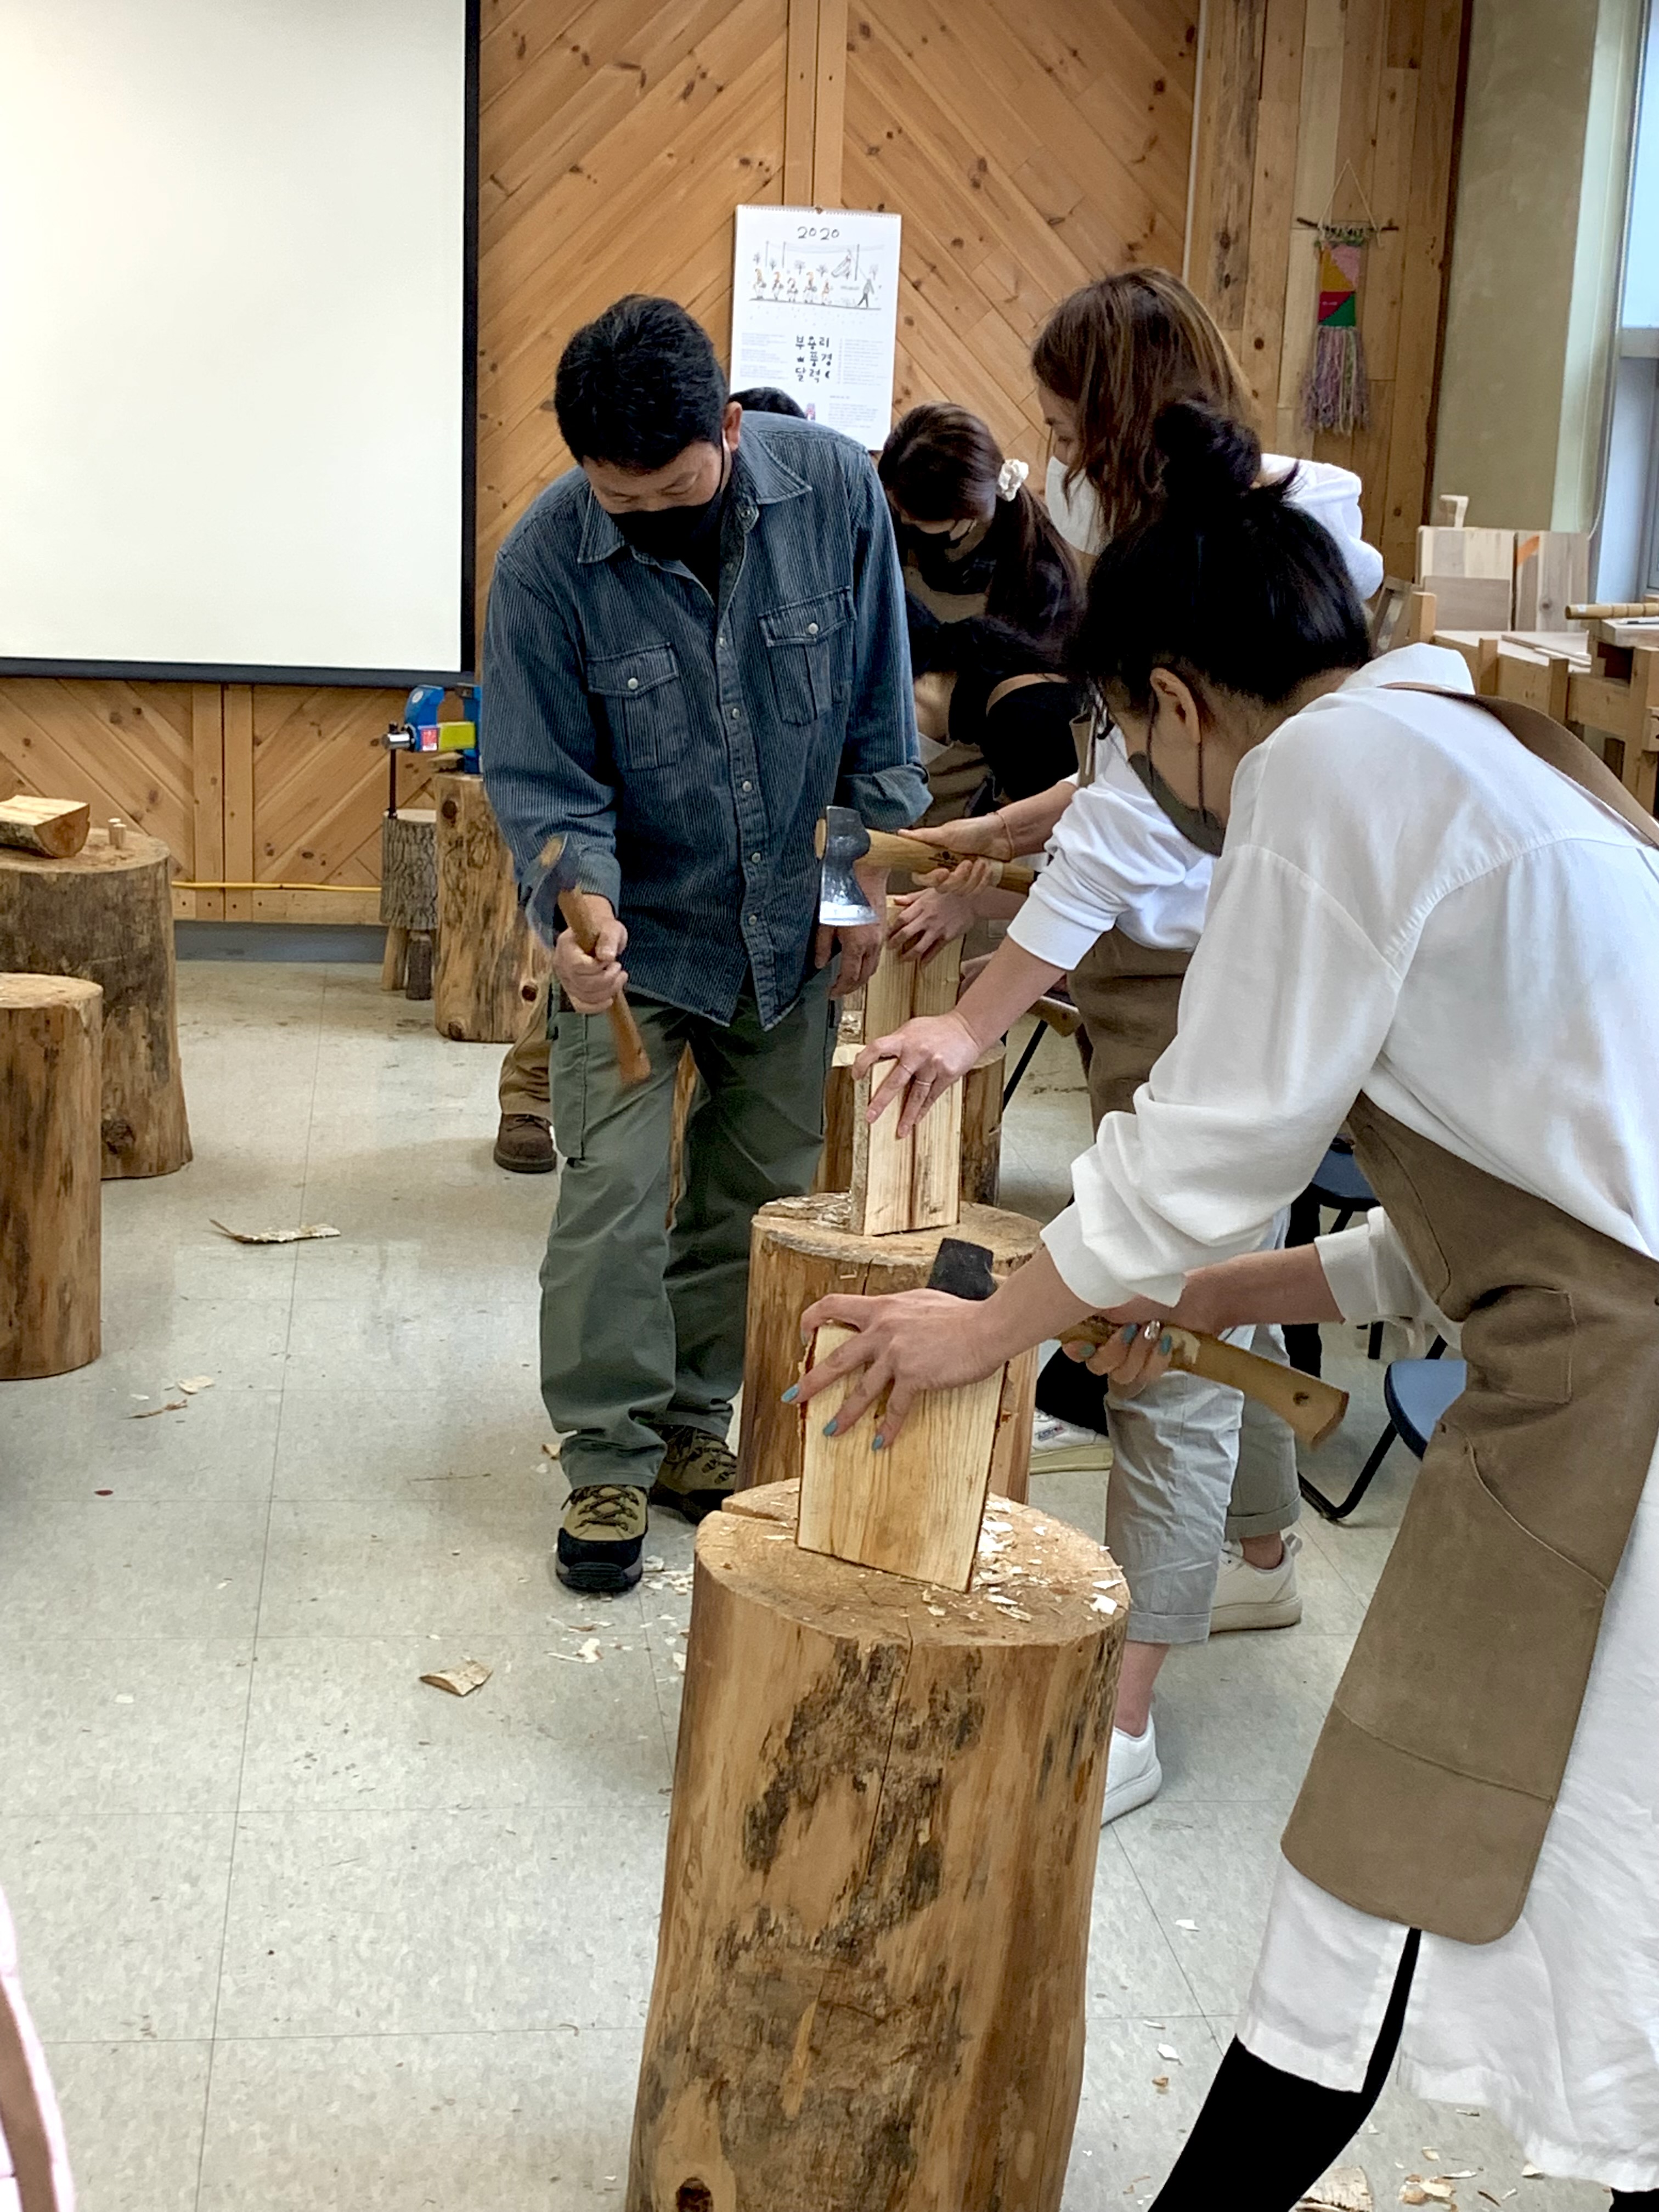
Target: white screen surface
232,333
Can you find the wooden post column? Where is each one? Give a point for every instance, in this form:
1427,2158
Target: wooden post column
49,1201
488,965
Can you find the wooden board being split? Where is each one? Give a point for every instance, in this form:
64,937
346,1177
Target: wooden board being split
54,828
802,1249
914,1508
913,1181
872,1966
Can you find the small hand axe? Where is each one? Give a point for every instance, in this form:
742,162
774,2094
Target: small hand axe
557,893
842,841
1312,1409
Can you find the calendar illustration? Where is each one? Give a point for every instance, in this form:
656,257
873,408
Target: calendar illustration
814,311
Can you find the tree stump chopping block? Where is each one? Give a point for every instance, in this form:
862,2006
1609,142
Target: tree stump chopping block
489,964
870,1968
409,896
105,915
49,1201
802,1249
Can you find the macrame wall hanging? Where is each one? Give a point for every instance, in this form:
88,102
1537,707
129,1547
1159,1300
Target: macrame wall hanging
1335,392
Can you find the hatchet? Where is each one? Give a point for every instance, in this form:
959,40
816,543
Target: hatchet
842,841
1312,1409
557,893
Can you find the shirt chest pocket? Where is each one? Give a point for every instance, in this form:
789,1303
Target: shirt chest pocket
644,702
809,652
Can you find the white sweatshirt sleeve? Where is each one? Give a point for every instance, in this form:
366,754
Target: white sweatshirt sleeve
1370,1275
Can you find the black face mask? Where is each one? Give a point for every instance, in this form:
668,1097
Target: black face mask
1200,827
678,533
929,552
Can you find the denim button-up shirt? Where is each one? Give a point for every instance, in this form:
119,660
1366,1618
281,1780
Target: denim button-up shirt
686,749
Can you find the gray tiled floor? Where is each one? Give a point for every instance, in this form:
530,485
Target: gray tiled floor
303,1934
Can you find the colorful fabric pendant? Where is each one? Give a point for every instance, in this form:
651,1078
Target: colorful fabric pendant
1336,393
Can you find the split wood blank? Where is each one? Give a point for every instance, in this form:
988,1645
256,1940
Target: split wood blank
54,828
913,1181
914,1507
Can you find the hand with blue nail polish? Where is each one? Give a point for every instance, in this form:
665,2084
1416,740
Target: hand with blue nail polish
792,1394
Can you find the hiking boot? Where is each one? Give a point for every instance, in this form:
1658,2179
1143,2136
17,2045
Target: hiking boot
698,1472
601,1537
524,1146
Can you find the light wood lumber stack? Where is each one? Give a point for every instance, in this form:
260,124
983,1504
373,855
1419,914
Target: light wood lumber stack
871,1969
488,965
105,913
1603,682
49,1201
802,1249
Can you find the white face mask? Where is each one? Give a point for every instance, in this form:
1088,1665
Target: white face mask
1075,515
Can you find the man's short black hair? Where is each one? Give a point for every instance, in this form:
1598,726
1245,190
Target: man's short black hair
638,386
767,400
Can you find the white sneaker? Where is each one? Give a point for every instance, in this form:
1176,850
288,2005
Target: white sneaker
1256,1597
1058,1446
1133,1776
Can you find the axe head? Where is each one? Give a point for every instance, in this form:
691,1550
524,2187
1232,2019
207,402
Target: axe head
842,841
963,1269
559,867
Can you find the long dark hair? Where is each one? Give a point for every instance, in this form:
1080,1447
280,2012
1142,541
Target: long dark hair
940,464
1228,586
1119,352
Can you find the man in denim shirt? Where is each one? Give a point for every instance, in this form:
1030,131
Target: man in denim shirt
696,641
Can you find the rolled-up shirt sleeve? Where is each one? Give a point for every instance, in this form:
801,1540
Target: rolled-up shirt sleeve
1112,850
546,765
1371,1279
881,776
1273,1048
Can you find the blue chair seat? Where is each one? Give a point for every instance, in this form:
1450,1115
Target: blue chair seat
1417,1393
1339,1184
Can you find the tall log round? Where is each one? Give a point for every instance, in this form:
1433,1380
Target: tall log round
105,915
486,955
875,1925
50,1202
801,1249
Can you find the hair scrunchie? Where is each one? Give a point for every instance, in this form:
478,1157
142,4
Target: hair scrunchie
1010,477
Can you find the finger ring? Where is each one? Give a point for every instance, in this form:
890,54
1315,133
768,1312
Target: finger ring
1151,1328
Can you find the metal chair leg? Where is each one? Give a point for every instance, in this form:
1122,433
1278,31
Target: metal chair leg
1363,1481
1024,1062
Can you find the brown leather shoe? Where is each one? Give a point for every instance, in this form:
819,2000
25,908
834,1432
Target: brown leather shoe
524,1146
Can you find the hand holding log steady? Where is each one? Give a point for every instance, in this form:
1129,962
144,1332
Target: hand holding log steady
1313,1410
557,893
880,848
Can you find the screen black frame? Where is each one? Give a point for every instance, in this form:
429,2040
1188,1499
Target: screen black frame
190,671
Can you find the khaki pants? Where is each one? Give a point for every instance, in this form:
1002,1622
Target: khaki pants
523,1086
641,1322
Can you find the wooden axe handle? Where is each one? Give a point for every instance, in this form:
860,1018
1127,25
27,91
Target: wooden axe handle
1313,1409
633,1061
887,851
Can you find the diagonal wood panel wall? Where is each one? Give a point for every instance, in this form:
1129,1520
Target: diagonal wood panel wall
1349,105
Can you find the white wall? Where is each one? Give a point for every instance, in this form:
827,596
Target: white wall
231,315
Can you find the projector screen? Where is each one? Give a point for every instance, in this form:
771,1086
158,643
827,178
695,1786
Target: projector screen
237,325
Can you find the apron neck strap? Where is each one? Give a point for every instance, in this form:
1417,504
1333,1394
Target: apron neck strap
1552,742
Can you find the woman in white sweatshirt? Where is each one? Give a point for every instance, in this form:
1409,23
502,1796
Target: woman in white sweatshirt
1437,917
1204,1489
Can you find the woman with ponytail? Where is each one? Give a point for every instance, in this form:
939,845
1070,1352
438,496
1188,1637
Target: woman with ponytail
1436,918
992,592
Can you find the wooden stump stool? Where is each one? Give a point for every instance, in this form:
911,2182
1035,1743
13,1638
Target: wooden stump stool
875,1925
408,899
105,915
801,1249
50,1202
488,965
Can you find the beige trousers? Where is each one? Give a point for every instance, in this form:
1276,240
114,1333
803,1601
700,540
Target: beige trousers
522,1087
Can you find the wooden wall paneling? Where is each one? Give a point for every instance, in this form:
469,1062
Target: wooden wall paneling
318,777
239,798
1374,88
207,738
829,107
799,101
128,749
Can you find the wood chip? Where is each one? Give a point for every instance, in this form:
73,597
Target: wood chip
1191,1926
302,1235
190,1384
1532,2173
1161,2083
1344,2189
1169,2051
173,1406
588,1653
1106,1605
460,1681
1412,2192
679,1662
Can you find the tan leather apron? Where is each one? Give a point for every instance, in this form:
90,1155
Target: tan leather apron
1128,995
1436,1771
